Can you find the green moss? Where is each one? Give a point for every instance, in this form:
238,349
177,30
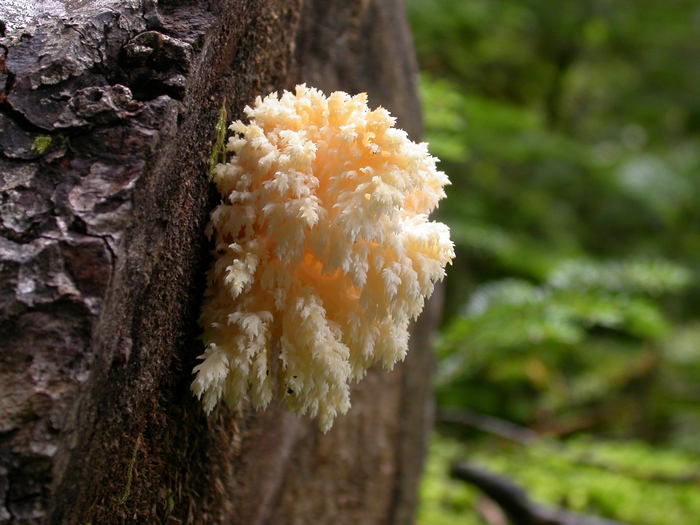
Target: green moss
130,472
169,503
217,152
626,481
41,144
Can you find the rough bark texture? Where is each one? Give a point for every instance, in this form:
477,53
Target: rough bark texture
107,123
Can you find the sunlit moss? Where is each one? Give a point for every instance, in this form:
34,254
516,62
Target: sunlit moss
41,144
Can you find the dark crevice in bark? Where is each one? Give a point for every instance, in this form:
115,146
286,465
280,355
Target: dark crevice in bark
7,78
20,120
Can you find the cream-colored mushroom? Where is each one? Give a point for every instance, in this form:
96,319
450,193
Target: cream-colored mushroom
323,250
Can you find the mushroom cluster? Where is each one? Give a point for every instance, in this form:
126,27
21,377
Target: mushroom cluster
323,252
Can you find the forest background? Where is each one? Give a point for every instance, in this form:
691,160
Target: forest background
571,133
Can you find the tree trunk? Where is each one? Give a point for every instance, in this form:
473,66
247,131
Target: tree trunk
107,123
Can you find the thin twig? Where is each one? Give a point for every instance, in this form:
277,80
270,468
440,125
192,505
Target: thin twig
488,424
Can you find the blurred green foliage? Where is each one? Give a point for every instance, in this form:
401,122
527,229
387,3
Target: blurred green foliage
630,482
571,133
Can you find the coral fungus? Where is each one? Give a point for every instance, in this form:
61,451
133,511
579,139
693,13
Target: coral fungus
324,252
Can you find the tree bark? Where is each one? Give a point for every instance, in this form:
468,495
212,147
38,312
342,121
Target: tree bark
107,123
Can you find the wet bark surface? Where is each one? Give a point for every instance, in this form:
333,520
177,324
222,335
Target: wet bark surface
107,125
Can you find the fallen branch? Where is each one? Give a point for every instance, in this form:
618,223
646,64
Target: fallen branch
515,503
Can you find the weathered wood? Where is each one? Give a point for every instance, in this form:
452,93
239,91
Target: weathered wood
107,118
